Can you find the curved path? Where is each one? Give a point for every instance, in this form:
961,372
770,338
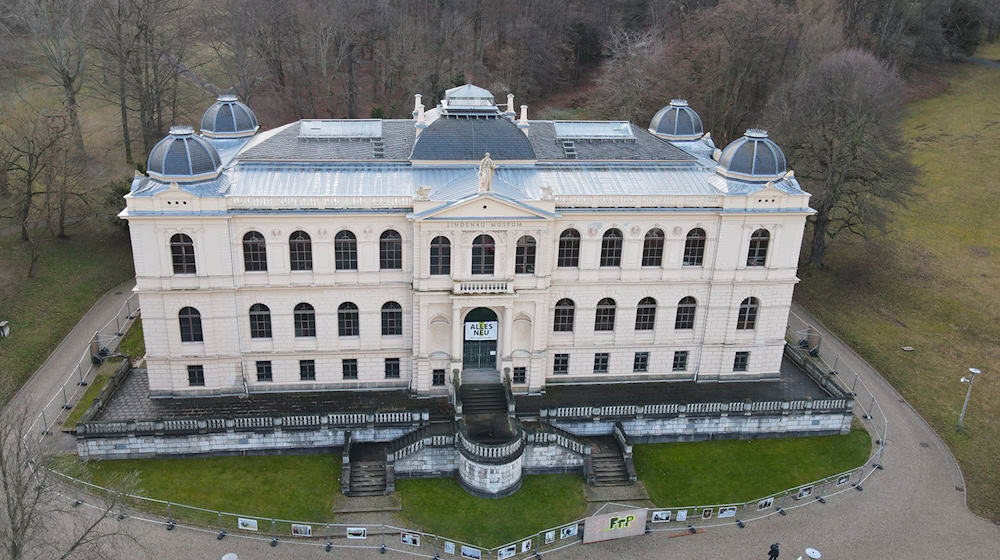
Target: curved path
914,509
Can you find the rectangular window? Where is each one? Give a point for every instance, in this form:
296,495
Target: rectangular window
680,360
524,257
307,370
742,361
264,371
641,362
392,368
350,368
601,360
560,364
437,378
520,375
196,376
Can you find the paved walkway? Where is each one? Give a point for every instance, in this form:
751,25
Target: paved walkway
914,509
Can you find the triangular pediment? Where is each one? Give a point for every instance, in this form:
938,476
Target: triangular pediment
174,192
485,206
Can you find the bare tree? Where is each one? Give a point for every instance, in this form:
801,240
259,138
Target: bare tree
839,125
630,82
36,519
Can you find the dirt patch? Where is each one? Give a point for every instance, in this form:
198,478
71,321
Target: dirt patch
980,252
924,81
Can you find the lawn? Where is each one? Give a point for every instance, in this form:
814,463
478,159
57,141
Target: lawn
730,471
933,283
101,379
442,507
293,487
133,345
72,273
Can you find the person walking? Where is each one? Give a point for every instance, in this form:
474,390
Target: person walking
773,553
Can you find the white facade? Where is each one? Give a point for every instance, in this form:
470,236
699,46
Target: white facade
434,307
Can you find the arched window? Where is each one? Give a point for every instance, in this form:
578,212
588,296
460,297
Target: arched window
565,314
757,255
611,248
182,253
390,250
347,320
685,313
483,252
260,321
694,247
300,251
747,319
392,318
190,322
254,252
604,319
345,251
524,255
440,255
652,248
305,320
645,314
569,248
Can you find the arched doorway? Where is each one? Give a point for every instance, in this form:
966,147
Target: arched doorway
479,350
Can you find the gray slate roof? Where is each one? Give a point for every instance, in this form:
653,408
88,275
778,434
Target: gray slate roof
287,146
469,139
645,147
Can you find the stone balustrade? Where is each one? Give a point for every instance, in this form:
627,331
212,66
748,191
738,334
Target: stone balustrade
482,287
671,409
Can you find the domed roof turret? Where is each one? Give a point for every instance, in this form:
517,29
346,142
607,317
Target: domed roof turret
183,157
228,118
677,121
754,157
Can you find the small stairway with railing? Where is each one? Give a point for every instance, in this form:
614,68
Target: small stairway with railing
363,469
485,398
611,459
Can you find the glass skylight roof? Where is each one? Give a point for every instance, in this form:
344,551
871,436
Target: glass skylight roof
343,129
594,130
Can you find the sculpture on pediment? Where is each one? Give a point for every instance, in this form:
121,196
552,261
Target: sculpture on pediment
423,193
486,168
546,191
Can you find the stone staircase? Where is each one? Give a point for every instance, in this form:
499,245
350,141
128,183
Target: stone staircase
367,478
483,399
608,463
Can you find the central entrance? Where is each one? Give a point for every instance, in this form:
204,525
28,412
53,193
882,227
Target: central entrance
479,350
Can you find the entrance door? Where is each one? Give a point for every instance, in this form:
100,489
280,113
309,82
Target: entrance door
479,350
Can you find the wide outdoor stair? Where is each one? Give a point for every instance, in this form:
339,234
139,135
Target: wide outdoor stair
608,463
484,399
367,478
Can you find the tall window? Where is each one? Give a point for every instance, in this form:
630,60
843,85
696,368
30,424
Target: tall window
349,366
685,313
680,360
757,255
483,252
604,319
560,364
601,362
611,248
520,376
437,377
694,247
524,255
563,319
747,319
742,361
254,252
392,368
190,321
260,321
390,250
264,371
300,251
305,320
182,254
307,370
440,255
645,314
347,320
196,376
569,249
392,318
641,362
345,251
652,248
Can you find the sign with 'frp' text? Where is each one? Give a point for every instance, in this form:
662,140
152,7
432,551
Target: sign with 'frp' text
607,526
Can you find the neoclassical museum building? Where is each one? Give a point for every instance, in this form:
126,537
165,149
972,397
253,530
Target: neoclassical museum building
467,244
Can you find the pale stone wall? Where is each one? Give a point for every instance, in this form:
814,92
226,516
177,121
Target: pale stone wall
704,427
493,479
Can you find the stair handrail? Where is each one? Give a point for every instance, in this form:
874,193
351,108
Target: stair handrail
406,445
508,393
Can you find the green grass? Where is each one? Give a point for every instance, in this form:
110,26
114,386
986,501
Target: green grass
442,507
101,379
293,487
72,273
133,345
933,282
731,471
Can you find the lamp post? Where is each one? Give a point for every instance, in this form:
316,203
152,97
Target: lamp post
973,372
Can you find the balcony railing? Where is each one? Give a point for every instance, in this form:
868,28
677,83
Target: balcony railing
483,287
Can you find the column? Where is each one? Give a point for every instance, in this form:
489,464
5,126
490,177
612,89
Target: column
456,332
508,325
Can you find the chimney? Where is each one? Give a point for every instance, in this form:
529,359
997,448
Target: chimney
524,117
421,121
510,104
416,104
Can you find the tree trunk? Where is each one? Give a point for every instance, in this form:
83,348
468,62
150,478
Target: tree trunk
818,245
76,131
126,137
352,83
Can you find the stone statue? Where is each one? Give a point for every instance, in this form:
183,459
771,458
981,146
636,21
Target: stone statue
423,193
546,191
486,168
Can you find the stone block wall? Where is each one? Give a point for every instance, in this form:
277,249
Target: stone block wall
550,459
428,462
494,480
